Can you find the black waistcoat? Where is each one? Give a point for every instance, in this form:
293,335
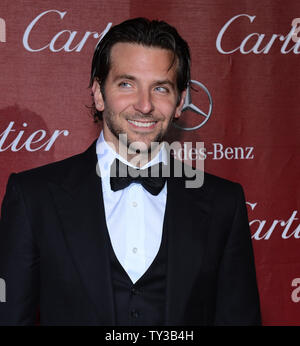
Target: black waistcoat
142,303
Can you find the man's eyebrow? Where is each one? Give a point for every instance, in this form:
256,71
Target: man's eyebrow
158,82
124,76
164,82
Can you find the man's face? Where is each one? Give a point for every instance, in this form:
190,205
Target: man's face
141,96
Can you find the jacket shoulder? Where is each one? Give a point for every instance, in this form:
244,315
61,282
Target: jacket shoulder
212,180
224,190
57,171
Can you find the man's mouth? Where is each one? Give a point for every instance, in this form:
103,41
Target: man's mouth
144,124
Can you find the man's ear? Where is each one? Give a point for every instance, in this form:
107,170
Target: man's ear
180,105
98,97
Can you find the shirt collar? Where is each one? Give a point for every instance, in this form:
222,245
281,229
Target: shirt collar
106,155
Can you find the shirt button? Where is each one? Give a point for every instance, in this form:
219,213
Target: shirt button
134,291
134,204
135,314
134,250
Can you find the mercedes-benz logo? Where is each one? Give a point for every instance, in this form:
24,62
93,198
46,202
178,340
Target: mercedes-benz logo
188,105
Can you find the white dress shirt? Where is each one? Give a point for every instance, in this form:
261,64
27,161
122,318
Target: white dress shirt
134,217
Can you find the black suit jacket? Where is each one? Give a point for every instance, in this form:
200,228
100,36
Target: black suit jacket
53,254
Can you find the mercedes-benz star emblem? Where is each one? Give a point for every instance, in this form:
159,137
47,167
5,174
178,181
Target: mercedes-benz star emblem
188,105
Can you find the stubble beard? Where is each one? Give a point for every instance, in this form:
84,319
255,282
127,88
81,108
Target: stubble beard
124,140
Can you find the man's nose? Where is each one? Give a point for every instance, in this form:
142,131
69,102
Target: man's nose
144,102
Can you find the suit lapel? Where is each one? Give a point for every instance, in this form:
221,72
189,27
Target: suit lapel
188,214
80,207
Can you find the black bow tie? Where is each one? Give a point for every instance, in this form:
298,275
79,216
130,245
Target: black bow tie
151,178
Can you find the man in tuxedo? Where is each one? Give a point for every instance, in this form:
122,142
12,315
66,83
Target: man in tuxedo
86,244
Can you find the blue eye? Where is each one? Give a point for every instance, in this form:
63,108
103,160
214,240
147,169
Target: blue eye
125,85
162,89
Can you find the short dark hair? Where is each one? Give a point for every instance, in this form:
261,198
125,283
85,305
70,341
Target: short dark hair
144,32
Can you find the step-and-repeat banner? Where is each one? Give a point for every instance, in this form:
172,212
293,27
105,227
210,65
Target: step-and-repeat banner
243,104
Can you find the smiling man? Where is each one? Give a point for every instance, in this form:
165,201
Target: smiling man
139,96
90,248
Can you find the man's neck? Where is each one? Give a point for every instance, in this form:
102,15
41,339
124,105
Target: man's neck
134,157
